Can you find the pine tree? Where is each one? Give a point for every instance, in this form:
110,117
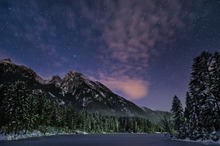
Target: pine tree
167,123
15,106
5,107
202,103
199,91
216,89
177,112
187,108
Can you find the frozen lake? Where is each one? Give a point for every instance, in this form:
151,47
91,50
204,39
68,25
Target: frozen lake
99,140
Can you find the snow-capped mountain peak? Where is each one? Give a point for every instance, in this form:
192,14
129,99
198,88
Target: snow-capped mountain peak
74,89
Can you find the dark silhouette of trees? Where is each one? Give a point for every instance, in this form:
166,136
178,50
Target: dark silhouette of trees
25,110
202,112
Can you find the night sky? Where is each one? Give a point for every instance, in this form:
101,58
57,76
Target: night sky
141,49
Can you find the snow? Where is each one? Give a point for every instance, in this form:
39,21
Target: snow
103,95
63,93
51,94
21,135
84,102
206,142
89,83
74,91
36,92
61,102
77,97
35,133
80,132
6,61
2,137
96,95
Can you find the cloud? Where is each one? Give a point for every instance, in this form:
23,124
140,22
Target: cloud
135,28
130,88
127,33
133,32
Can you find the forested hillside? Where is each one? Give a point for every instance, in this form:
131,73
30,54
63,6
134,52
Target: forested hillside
24,109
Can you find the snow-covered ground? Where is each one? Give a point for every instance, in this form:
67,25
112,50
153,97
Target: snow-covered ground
35,133
20,135
206,142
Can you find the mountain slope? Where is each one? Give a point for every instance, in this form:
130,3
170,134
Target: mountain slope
74,89
154,115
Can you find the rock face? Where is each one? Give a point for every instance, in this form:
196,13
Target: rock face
74,89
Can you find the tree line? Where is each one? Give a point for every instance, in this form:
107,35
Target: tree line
201,117
23,109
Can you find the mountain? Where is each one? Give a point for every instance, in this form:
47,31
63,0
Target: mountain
74,89
154,115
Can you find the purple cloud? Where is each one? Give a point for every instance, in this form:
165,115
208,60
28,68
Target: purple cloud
132,33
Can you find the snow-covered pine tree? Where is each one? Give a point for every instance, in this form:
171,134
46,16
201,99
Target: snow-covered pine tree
22,101
216,89
14,105
187,113
6,106
177,112
199,90
202,110
187,108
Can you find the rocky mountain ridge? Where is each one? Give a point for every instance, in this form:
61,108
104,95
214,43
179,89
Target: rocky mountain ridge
74,89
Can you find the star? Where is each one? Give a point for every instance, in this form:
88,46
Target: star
144,45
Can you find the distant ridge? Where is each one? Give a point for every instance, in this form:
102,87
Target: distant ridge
74,89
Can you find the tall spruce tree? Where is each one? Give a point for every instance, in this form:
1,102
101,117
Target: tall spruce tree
199,91
216,89
187,108
177,111
202,100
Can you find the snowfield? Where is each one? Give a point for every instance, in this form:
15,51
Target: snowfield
206,142
35,133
